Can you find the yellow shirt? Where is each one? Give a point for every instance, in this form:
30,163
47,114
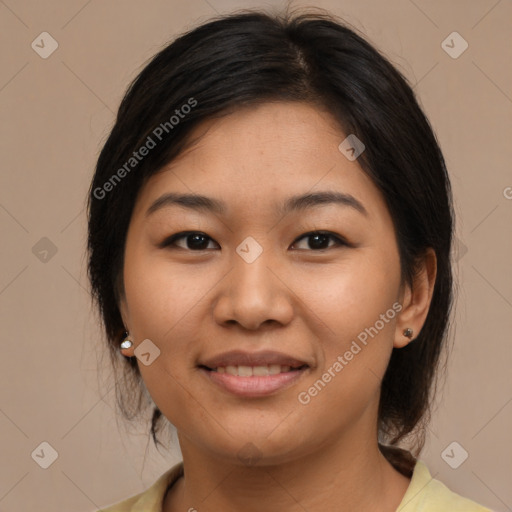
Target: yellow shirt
424,494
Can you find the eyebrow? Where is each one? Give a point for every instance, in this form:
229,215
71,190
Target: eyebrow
302,202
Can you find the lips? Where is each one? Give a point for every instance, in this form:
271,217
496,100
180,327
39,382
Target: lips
253,374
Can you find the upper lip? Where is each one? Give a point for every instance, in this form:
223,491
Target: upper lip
241,358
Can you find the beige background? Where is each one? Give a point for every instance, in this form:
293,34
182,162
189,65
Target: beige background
56,112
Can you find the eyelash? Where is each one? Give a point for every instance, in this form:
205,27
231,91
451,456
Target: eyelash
170,241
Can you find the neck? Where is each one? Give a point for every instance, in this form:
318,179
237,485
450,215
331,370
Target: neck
347,474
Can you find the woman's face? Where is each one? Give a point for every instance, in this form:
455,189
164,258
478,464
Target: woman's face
248,279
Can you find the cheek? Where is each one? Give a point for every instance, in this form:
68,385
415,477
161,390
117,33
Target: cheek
160,300
159,294
356,304
355,354
351,296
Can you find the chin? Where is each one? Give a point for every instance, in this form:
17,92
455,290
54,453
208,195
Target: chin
249,446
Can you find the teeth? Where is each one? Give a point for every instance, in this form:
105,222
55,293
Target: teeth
249,371
260,371
232,370
244,371
274,369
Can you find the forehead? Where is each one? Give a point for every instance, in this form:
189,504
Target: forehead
256,157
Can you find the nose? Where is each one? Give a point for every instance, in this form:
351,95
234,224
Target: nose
254,294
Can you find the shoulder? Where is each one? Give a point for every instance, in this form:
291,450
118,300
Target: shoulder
430,495
151,499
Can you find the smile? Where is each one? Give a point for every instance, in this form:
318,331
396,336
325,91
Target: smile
253,381
258,371
253,374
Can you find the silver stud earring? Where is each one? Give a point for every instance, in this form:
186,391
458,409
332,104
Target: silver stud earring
126,343
408,333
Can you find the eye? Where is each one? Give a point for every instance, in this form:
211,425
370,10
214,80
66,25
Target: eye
198,241
319,240
194,240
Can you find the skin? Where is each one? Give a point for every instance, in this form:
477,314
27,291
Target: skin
304,301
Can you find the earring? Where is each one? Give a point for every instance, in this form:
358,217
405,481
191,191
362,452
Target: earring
126,343
408,333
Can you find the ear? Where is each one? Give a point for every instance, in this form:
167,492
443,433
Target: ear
415,299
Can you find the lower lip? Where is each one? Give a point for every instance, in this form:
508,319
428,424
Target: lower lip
254,386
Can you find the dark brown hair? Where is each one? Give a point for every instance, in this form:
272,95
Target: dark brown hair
252,57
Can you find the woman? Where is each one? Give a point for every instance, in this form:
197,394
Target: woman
270,225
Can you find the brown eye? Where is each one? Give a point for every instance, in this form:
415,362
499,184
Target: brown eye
198,241
194,241
319,240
